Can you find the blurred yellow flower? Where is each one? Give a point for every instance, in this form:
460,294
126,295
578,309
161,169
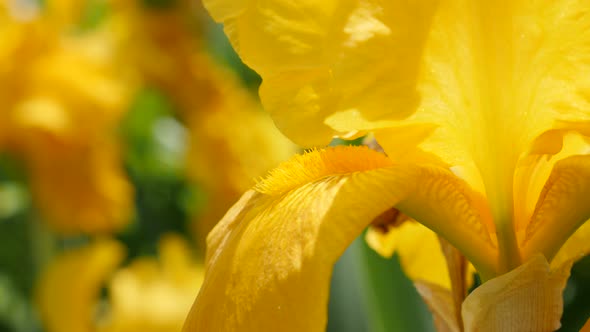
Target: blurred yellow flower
69,289
232,143
148,295
231,140
152,295
482,110
63,95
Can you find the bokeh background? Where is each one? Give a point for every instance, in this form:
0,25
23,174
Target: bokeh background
127,129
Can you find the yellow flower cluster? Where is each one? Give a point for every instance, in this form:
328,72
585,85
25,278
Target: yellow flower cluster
149,295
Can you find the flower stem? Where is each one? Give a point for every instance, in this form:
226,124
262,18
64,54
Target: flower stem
508,252
499,184
43,243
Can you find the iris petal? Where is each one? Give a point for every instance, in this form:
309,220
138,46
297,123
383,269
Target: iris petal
440,304
270,259
575,248
528,298
418,249
314,58
468,69
562,207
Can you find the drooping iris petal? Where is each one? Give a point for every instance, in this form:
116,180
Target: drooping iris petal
68,291
529,298
270,258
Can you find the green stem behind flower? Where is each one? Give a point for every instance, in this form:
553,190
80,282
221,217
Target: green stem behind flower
43,243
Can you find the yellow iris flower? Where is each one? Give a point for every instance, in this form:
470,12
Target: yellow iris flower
231,140
62,95
482,109
149,295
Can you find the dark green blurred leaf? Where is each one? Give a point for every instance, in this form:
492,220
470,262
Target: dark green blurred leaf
155,149
576,297
383,299
16,313
353,142
348,304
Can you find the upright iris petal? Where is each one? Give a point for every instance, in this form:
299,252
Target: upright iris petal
475,84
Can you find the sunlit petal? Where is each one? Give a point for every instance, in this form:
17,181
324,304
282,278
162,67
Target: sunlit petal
469,71
418,249
323,59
